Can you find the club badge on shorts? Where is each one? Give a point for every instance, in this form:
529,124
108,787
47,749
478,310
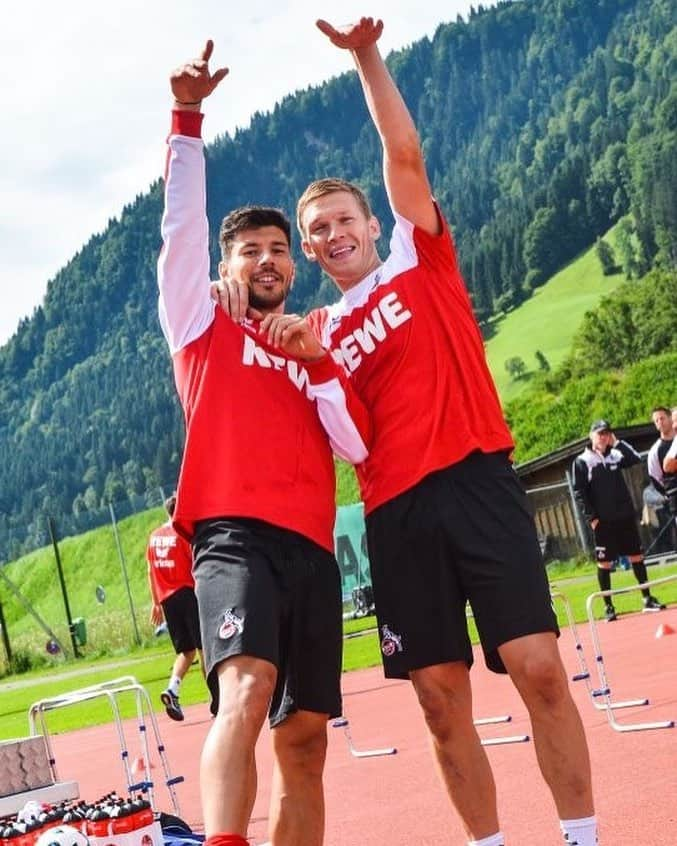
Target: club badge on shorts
231,624
390,642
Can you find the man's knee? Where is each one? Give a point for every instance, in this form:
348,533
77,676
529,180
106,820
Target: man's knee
246,686
444,695
536,668
300,742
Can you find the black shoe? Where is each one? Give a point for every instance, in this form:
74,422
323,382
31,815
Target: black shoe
171,702
610,614
652,604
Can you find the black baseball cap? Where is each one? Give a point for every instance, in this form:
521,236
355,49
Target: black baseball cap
600,426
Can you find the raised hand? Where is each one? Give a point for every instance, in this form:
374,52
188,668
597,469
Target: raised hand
354,36
192,82
293,335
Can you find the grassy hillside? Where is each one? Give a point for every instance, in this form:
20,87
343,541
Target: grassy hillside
548,320
90,560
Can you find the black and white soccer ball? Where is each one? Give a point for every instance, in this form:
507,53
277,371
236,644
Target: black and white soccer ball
62,835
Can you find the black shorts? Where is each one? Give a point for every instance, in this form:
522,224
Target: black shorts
461,534
273,594
183,620
614,538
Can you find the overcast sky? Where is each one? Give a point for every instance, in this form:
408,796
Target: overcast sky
86,104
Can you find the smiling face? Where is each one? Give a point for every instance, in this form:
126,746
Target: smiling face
261,258
341,237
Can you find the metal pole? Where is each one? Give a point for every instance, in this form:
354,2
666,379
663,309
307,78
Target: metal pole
582,535
26,604
124,573
5,637
57,556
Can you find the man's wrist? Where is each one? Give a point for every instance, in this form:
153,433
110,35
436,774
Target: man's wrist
187,105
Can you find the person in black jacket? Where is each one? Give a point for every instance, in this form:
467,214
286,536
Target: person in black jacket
604,500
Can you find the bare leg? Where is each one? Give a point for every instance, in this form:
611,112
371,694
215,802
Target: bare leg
297,798
536,669
182,663
201,659
228,766
445,696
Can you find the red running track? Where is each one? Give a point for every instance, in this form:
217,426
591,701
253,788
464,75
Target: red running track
397,800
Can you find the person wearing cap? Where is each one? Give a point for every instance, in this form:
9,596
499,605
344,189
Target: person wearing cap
604,500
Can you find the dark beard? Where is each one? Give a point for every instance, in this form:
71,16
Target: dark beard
266,303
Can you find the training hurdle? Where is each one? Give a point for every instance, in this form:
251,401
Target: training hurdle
342,722
584,672
490,721
111,690
604,690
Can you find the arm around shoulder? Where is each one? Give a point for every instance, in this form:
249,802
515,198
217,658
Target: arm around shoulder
341,411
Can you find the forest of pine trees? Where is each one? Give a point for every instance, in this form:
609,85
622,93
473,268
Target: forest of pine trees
544,122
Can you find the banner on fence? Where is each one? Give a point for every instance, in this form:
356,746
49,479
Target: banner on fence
351,547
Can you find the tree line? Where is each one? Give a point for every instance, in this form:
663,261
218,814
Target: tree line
544,122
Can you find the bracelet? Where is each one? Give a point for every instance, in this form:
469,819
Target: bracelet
187,102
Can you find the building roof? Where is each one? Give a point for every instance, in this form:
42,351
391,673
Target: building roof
640,436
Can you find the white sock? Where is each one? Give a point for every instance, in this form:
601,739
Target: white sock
494,840
174,684
582,832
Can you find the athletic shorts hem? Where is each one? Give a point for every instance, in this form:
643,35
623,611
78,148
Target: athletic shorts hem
493,659
404,673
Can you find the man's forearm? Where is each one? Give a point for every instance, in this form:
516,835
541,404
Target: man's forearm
386,105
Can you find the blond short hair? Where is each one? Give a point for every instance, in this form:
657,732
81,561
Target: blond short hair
322,187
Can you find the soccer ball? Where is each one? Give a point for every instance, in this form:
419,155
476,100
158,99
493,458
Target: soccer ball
62,835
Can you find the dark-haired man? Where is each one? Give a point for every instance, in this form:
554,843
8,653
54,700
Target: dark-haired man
662,420
605,502
264,405
172,589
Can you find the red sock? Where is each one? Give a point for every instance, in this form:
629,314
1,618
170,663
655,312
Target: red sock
226,840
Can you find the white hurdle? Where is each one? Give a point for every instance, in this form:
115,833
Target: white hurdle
501,718
342,722
111,690
605,689
584,673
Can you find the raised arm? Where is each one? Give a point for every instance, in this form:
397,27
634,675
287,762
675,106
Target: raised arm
185,307
629,453
404,170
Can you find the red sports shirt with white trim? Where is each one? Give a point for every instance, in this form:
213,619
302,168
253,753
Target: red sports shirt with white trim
170,559
408,337
258,424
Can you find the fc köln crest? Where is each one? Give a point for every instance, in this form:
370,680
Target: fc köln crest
390,642
231,624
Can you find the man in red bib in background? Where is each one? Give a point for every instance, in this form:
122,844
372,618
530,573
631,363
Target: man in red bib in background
170,579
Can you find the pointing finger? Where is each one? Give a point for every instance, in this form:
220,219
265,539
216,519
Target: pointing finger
208,50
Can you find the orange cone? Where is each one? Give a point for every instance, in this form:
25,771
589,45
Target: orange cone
664,629
139,765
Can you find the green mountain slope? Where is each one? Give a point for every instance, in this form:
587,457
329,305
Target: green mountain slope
544,123
548,321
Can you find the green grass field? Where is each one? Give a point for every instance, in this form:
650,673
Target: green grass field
548,320
152,665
